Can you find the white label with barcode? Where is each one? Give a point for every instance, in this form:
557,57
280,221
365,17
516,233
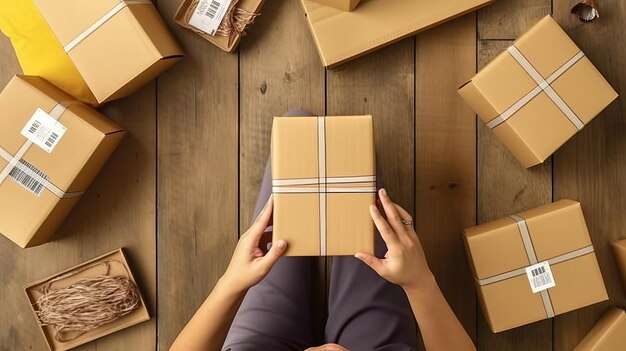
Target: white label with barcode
540,277
208,15
43,130
26,179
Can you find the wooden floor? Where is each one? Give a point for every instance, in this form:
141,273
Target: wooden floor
183,183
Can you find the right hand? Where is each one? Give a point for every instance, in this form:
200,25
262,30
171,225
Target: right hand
404,263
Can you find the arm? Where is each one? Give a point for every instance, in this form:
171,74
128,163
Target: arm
405,264
208,328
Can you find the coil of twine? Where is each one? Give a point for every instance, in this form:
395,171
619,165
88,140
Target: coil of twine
236,20
86,304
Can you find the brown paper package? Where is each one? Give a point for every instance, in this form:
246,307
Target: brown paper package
118,267
126,52
609,334
228,44
539,127
28,219
344,5
298,217
497,247
619,251
341,36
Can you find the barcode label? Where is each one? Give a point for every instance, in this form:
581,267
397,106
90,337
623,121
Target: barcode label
43,130
540,277
26,180
209,14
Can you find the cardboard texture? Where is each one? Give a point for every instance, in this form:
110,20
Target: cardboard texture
619,251
499,251
609,334
323,175
26,218
345,5
113,264
228,44
534,122
117,46
342,36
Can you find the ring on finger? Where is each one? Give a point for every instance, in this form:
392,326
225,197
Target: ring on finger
407,222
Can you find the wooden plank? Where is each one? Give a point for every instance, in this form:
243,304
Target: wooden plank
445,157
280,70
197,177
507,19
590,167
504,186
382,84
118,210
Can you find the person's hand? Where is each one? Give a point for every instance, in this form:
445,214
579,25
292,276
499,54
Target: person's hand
404,263
249,266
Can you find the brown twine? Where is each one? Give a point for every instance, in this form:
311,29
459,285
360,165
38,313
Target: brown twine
87,303
236,20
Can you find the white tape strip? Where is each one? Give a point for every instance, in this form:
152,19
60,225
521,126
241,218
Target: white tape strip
312,190
528,243
321,143
316,181
542,85
13,160
87,32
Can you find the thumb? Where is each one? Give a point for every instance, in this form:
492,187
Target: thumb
372,261
277,250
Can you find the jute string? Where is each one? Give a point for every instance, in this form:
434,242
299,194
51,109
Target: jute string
87,303
236,20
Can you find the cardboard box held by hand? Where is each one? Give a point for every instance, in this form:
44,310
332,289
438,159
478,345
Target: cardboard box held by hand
534,265
51,148
323,181
117,46
538,93
609,334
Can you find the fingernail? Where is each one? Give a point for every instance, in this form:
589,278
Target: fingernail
374,209
281,244
383,192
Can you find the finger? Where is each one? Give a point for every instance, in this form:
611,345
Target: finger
406,215
383,227
263,219
372,261
393,217
278,249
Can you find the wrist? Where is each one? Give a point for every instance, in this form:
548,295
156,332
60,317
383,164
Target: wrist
425,286
229,288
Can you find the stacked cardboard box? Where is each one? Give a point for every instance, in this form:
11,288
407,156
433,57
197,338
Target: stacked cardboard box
609,334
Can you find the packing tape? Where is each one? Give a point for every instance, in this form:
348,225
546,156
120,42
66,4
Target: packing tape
14,160
532,259
542,85
114,11
320,185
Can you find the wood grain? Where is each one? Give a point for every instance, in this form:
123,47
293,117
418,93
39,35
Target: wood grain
118,210
280,71
504,185
508,19
591,168
445,159
197,177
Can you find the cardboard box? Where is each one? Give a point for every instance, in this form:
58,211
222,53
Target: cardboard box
531,251
609,334
117,46
538,93
228,44
39,185
619,251
345,5
113,264
323,179
342,36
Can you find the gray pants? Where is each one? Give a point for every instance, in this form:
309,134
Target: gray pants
365,312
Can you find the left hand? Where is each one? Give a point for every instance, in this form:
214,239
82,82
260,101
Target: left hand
249,266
